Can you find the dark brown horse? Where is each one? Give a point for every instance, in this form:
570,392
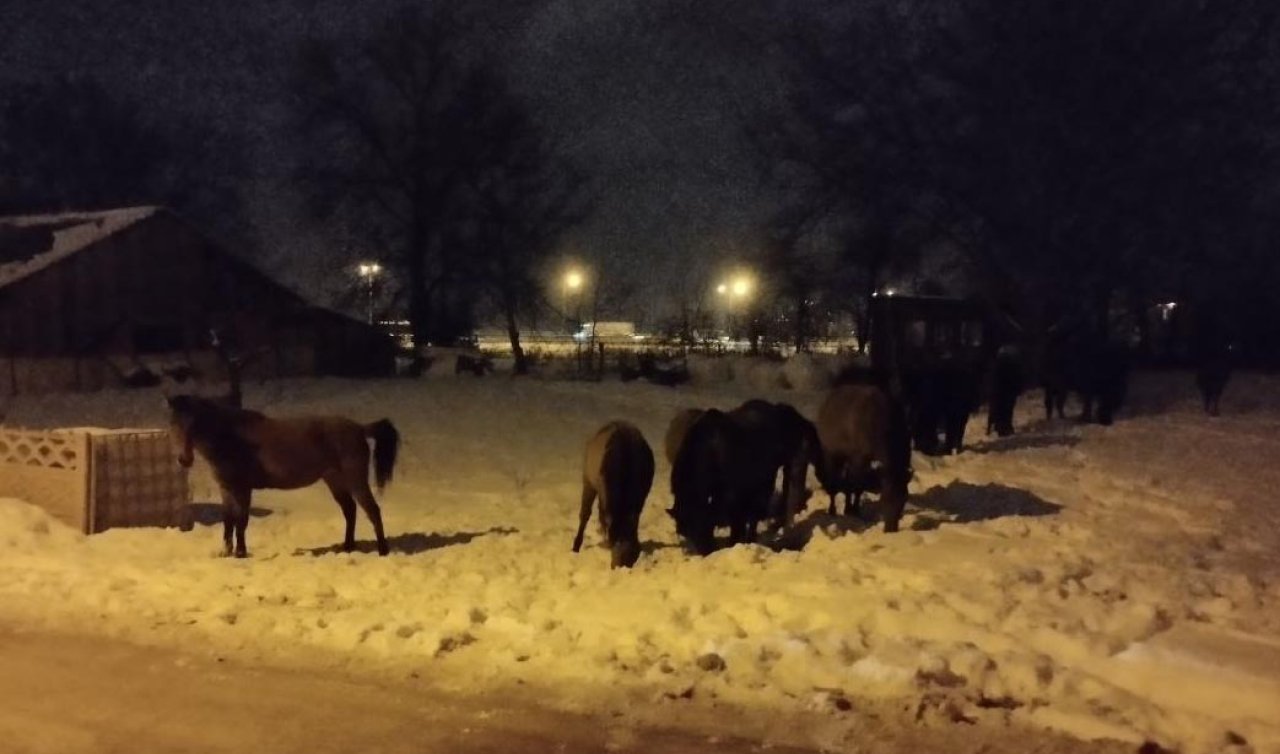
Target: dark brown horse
249,451
866,445
618,468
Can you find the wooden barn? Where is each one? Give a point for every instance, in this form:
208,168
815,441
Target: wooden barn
94,299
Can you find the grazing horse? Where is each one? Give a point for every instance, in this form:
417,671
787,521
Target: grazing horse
1212,374
865,444
1006,386
249,451
719,478
677,430
785,440
940,397
619,469
1098,372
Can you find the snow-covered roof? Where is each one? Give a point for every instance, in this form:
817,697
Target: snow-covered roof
30,243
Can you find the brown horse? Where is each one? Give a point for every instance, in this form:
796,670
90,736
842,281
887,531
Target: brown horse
249,451
619,469
865,444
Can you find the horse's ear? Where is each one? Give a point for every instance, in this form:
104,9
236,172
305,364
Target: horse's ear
671,512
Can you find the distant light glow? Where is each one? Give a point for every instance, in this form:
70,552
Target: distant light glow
741,287
369,270
722,289
573,280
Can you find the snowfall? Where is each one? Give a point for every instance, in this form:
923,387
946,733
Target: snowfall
1111,583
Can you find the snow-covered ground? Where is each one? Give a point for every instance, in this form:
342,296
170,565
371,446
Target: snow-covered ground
1119,582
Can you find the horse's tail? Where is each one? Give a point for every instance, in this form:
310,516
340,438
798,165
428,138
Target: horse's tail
386,444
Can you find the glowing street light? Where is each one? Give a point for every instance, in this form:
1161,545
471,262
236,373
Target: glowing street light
741,287
722,289
369,273
574,281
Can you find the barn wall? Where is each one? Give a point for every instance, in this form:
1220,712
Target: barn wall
150,295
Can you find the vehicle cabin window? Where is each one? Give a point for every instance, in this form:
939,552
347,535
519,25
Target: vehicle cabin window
916,333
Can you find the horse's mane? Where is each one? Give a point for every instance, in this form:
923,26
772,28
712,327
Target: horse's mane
216,410
215,424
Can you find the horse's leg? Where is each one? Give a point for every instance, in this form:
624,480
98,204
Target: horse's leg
365,498
851,502
228,520
348,505
243,500
584,513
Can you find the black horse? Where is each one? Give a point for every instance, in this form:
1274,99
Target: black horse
719,478
786,441
1097,372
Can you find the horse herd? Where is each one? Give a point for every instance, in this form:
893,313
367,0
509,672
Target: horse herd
724,465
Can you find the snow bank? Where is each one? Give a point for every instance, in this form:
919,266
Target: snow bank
1117,582
709,370
806,371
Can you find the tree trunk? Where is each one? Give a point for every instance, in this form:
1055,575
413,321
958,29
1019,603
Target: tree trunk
513,332
868,295
419,299
802,324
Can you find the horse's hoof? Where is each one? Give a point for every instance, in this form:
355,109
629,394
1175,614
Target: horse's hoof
242,554
383,550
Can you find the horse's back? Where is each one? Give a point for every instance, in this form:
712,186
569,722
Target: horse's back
677,430
298,451
852,421
619,467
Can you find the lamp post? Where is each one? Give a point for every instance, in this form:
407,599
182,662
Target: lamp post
735,292
573,282
369,273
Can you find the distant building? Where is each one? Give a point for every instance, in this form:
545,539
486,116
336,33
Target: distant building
93,299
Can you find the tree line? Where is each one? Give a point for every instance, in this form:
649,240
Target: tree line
1069,160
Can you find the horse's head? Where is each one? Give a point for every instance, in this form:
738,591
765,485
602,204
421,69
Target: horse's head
695,528
184,411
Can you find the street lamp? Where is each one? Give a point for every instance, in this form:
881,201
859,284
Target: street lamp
574,280
369,273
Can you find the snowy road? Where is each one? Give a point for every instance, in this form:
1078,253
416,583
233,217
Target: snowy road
69,695
63,694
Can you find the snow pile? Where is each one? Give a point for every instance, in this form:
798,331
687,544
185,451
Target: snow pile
761,374
1118,582
709,370
806,371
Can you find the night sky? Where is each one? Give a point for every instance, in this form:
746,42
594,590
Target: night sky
649,96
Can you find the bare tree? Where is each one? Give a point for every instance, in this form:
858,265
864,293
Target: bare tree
394,143
1070,150
524,201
